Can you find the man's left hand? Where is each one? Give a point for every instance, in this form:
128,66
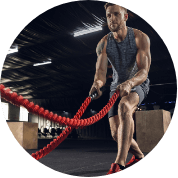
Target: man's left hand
125,88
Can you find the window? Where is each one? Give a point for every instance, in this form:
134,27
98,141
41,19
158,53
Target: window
23,114
5,110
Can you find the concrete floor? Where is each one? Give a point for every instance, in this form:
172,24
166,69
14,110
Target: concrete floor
80,157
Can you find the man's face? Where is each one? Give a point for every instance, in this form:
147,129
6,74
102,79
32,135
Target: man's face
115,18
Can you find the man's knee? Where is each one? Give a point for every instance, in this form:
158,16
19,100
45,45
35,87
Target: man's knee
125,109
124,106
128,104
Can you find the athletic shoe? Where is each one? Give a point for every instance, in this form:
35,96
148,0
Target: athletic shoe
114,168
132,161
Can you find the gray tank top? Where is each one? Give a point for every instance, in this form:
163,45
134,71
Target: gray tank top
122,56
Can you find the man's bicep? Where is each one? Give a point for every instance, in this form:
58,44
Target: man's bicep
143,60
143,54
102,61
101,46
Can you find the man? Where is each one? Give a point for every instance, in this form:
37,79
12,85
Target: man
128,51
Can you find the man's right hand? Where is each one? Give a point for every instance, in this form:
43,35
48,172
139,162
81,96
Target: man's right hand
95,87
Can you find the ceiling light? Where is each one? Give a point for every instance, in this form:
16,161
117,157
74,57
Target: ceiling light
13,50
89,30
43,63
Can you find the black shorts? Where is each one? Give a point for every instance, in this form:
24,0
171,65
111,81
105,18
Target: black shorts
138,89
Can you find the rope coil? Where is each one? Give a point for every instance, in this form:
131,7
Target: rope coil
75,122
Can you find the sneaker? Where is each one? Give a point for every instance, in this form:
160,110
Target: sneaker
132,161
114,168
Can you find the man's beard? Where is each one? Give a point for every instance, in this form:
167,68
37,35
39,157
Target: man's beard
114,29
119,27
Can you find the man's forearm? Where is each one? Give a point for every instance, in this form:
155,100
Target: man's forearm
100,77
139,77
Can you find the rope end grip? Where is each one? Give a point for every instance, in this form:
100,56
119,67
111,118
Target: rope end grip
95,94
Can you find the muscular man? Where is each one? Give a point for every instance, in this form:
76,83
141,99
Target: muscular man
128,51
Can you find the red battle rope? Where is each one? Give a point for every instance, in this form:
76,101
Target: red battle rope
13,98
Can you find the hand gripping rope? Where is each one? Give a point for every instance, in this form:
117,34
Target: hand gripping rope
75,122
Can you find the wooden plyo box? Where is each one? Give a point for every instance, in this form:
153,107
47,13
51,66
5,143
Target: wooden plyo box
150,127
25,133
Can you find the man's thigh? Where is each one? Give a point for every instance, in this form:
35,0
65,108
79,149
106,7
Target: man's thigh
131,100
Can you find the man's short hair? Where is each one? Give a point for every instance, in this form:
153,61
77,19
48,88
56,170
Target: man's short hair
111,4
108,4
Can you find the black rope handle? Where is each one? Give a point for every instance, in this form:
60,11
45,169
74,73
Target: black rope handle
95,93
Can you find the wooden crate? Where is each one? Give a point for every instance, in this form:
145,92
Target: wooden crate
25,133
150,127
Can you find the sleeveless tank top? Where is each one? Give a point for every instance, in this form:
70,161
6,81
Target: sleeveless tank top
122,56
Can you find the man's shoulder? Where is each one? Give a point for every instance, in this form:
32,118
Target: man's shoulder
101,46
141,38
140,35
104,38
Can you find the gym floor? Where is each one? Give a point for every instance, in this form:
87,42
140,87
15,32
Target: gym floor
80,157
